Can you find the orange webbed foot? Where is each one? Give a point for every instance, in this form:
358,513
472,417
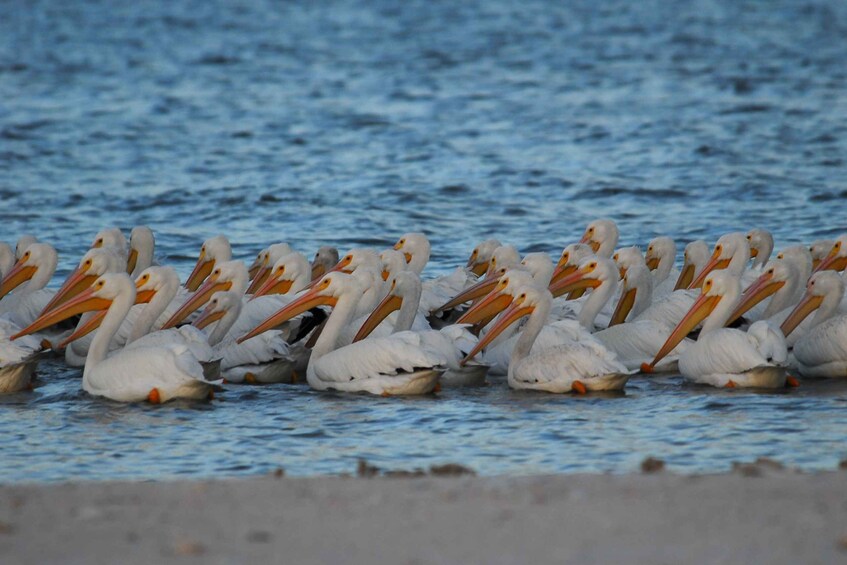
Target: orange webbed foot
578,387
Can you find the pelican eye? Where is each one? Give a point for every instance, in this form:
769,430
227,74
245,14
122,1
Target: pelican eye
203,249
615,257
87,263
145,277
780,256
402,242
217,272
718,248
325,283
25,256
770,271
749,237
280,270
100,284
837,245
592,266
650,249
348,258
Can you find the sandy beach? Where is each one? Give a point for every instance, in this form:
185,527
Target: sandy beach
755,514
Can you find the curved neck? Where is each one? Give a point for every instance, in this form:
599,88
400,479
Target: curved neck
145,259
341,315
409,308
663,269
783,298
418,262
828,308
225,324
530,332
643,296
739,261
151,311
300,282
115,316
595,302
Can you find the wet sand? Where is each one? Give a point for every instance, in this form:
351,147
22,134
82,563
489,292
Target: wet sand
757,514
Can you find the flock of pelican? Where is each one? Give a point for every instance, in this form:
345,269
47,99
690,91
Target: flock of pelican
367,322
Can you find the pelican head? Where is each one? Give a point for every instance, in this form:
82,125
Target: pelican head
777,274
636,293
694,258
498,298
405,285
824,292
819,249
95,263
326,292
761,245
213,251
393,262
572,255
227,275
355,258
264,262
732,251
26,240
416,249
540,266
109,237
625,257
38,259
503,256
141,245
481,255
289,275
602,235
836,259
591,273
221,302
660,256
325,258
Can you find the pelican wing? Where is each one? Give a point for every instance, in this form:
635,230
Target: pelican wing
823,351
570,361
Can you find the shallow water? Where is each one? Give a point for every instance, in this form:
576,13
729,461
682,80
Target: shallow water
352,122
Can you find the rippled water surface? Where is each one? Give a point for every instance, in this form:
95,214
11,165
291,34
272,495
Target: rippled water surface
352,122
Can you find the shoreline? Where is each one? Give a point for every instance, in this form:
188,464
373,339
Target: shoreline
757,512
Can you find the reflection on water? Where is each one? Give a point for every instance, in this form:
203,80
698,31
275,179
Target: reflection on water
353,122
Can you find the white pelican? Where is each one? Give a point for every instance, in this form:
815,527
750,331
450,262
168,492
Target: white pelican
142,244
268,257
821,351
660,257
761,246
35,268
454,341
571,257
695,257
156,373
214,250
602,235
836,259
226,275
393,262
26,240
325,258
633,343
625,257
416,249
110,237
502,259
725,357
95,262
18,359
575,366
781,282
7,258
395,365
819,249
261,359
732,252
481,255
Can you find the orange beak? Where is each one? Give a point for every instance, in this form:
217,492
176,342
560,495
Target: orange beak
758,291
486,309
84,302
141,297
209,316
273,286
699,311
624,307
259,280
686,277
714,264
595,245
832,262
653,263
200,272
809,304
197,300
75,283
259,262
341,266
575,281
514,313
306,302
388,305
562,270
318,271
18,275
131,261
473,292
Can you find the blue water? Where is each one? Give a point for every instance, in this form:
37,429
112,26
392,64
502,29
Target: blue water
352,122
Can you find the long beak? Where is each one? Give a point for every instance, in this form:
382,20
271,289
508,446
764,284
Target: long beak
473,292
809,304
595,245
388,305
653,263
701,308
77,282
197,300
514,313
318,271
755,293
478,268
273,286
131,261
257,264
561,271
341,266
574,281
686,276
208,316
141,297
832,262
754,252
713,264
84,302
486,309
261,276
200,272
16,276
306,302
624,307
